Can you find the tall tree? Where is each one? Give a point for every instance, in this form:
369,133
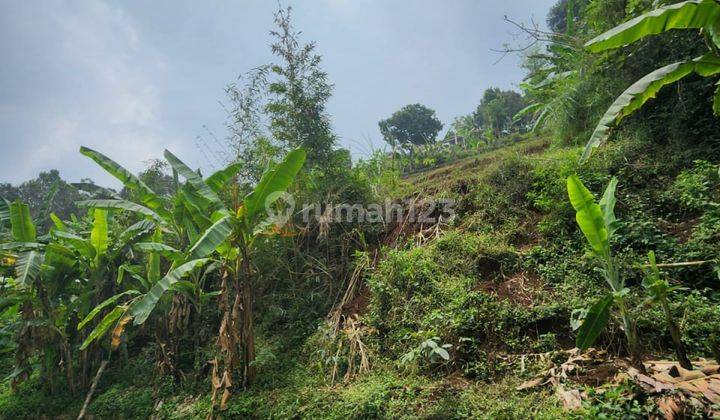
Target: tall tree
412,125
497,108
298,94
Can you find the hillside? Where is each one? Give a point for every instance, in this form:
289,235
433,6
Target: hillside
554,254
499,283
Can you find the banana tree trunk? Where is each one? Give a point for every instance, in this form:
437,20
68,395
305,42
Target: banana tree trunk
248,334
677,338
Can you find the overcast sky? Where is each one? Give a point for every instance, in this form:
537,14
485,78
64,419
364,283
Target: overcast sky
130,78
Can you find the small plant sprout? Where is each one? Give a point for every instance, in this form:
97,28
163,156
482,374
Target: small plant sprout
598,223
428,351
658,290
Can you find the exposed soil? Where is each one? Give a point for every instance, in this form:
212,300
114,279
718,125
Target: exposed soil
596,375
680,230
523,288
359,303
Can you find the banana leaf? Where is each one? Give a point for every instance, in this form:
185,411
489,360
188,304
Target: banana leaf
607,205
166,250
692,14
99,232
147,196
193,178
141,309
107,302
103,326
120,205
211,238
645,89
27,266
83,246
218,180
588,214
594,323
23,229
277,178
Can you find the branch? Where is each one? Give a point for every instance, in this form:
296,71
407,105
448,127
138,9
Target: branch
679,264
534,36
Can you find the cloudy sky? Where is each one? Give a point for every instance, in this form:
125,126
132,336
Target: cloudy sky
130,78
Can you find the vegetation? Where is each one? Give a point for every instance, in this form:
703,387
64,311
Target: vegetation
413,125
598,223
222,296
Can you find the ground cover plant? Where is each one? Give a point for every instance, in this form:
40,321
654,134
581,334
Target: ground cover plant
191,295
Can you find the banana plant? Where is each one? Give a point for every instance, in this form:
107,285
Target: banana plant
99,255
659,290
39,290
693,14
200,224
232,235
598,224
177,223
546,102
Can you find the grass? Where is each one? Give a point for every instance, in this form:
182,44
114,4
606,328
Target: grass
503,278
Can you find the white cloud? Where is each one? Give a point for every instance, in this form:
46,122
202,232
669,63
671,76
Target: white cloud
101,88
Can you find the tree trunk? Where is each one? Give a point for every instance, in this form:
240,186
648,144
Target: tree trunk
677,338
248,342
633,343
99,373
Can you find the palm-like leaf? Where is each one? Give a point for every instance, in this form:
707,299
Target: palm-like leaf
218,180
4,212
278,178
141,309
212,238
23,229
198,208
59,258
135,231
193,178
96,190
166,250
147,196
120,205
99,232
84,247
594,323
607,205
107,302
692,14
27,266
103,326
645,89
589,215
20,245
530,109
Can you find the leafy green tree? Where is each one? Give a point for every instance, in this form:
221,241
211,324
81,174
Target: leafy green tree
48,193
463,130
497,109
564,14
155,175
298,94
412,125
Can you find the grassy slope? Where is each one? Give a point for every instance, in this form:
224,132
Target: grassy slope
502,279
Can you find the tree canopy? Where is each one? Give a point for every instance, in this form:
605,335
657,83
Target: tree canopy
497,108
413,124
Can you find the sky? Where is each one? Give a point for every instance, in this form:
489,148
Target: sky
132,78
